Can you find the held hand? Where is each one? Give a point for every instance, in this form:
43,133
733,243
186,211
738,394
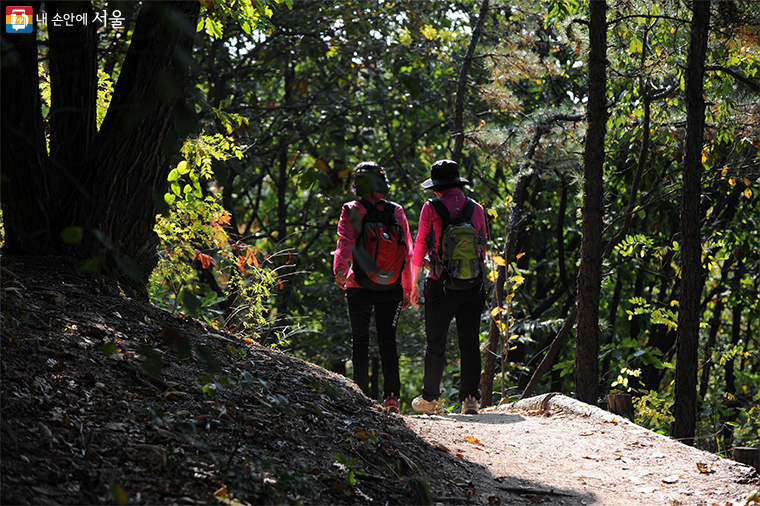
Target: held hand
341,280
415,296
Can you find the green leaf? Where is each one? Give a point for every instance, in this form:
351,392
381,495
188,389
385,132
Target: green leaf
109,348
173,175
129,267
72,235
306,180
118,493
151,363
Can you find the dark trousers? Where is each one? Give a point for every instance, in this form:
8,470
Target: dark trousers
387,306
440,307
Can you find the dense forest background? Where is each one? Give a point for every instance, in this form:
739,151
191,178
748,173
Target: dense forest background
271,107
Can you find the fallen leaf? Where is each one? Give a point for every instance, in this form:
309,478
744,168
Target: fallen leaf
673,478
442,448
471,439
704,468
646,490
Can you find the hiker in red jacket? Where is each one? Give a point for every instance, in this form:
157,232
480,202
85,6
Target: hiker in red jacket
368,282
453,288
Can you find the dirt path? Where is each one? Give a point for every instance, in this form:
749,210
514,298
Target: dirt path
591,458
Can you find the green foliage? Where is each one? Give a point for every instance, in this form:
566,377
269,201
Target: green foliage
622,383
194,236
348,466
653,412
249,14
105,92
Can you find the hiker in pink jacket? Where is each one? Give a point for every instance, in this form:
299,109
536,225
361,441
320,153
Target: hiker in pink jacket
388,290
452,290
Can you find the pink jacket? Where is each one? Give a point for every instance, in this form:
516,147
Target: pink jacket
429,230
348,233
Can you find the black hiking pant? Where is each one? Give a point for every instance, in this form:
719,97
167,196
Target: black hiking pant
441,306
387,306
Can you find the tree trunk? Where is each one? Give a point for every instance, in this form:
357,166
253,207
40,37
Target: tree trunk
464,72
620,404
590,271
685,403
513,225
104,184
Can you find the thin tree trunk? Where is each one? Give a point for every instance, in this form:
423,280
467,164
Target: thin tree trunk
685,403
590,271
464,72
710,348
513,225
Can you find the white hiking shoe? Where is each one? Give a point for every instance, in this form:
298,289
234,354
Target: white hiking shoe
434,407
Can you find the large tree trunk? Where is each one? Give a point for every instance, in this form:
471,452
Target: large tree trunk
685,404
104,183
590,271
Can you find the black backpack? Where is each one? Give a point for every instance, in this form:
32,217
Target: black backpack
380,252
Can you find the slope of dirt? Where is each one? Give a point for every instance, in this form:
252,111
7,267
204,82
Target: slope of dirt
221,418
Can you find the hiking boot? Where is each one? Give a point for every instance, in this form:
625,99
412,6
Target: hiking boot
433,407
391,404
470,406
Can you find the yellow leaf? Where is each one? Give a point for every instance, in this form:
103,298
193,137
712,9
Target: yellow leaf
748,192
732,181
473,440
724,171
746,182
520,255
517,280
705,154
492,212
495,311
493,275
509,199
498,260
513,337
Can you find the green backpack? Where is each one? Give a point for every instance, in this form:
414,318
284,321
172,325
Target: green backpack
458,264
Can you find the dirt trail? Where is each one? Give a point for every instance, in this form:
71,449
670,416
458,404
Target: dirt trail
577,457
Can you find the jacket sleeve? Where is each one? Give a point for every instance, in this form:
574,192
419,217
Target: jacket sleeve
406,276
346,240
425,235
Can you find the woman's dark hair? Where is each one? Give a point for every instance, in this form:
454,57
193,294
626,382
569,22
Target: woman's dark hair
370,177
447,186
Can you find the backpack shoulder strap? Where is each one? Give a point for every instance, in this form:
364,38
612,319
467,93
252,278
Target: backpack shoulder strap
468,210
442,211
367,205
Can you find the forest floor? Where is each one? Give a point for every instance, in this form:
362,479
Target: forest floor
220,419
